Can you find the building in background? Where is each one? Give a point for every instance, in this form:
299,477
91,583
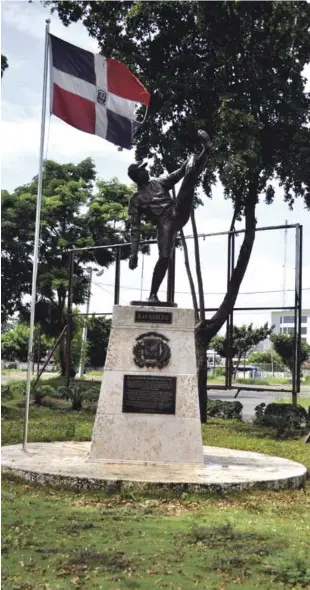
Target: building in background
283,322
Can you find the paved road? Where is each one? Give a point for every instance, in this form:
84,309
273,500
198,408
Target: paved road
22,376
251,399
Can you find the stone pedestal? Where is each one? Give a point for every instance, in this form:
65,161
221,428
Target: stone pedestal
148,408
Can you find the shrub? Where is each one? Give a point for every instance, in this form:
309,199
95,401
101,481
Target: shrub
43,391
228,410
6,392
78,394
54,404
9,413
289,421
18,389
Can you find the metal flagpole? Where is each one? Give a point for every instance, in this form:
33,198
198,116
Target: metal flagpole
36,238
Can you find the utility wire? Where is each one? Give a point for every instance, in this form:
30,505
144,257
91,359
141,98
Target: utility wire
207,293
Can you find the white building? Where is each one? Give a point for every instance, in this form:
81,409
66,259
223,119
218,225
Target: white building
262,346
284,323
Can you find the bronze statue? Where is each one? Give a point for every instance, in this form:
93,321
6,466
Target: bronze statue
153,201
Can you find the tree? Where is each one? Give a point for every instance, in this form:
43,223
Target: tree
234,68
14,343
70,218
265,357
243,339
284,345
4,64
98,338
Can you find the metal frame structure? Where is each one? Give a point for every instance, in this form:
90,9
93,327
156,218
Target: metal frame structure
231,235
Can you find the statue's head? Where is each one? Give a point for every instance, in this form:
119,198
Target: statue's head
138,173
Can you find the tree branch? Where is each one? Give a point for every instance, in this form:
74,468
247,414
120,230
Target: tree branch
217,321
189,275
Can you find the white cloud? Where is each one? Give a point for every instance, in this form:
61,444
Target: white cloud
21,139
30,19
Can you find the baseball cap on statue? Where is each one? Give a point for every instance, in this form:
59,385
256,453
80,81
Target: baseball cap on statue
134,168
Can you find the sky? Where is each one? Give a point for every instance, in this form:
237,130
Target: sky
269,280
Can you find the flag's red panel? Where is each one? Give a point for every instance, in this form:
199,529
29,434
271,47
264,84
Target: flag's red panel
122,82
74,110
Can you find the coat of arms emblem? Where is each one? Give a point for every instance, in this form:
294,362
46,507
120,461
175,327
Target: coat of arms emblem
101,96
151,350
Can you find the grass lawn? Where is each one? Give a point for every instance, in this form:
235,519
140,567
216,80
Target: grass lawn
59,539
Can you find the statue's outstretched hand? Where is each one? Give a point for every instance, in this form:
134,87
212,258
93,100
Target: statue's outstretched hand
133,261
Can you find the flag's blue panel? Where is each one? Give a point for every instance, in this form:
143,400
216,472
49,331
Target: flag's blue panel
119,130
73,60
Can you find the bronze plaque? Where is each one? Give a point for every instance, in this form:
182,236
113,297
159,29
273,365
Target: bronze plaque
148,394
153,317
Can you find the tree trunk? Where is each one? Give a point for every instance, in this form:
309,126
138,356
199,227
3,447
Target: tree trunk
201,353
237,366
189,275
211,327
62,356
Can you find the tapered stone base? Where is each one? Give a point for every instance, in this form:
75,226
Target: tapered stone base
149,434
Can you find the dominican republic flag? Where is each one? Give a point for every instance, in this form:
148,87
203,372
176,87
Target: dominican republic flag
94,93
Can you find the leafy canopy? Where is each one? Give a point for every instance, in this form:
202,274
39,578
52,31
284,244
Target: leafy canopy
243,339
14,343
73,215
97,339
265,357
284,345
234,68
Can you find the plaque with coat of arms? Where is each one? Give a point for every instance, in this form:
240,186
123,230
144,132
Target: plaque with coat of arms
152,350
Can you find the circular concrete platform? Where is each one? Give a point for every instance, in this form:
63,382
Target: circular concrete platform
224,470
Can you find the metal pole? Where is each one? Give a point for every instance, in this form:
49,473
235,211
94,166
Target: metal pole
36,238
299,295
84,333
297,319
171,267
231,323
69,320
188,237
171,279
39,352
172,292
142,275
227,364
50,354
117,275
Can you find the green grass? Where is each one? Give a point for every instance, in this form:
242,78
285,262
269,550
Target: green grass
269,381
249,437
93,374
57,539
